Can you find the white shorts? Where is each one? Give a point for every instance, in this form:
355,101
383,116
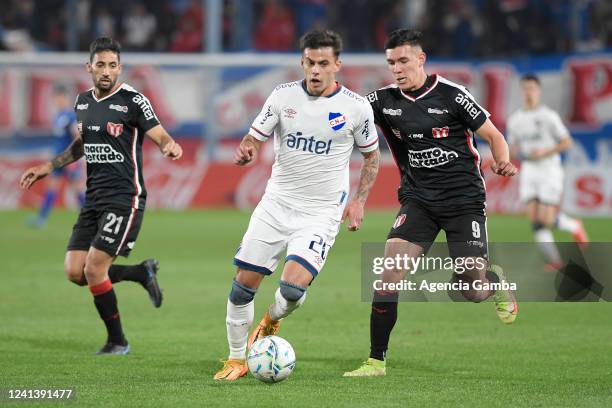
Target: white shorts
275,227
544,186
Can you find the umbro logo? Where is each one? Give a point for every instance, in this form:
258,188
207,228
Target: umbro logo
437,111
82,106
289,113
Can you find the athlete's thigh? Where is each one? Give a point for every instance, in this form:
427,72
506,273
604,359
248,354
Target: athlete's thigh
74,264
118,230
547,213
265,238
85,229
397,248
531,208
249,278
466,234
550,189
414,223
310,244
528,186
295,273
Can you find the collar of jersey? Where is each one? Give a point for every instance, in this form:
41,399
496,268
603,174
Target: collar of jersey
305,88
422,91
93,93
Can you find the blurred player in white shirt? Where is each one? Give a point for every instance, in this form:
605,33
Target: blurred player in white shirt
315,123
537,136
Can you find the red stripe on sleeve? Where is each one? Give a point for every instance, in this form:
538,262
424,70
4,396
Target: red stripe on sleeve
259,131
368,145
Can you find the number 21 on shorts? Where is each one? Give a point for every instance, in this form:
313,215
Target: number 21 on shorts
113,223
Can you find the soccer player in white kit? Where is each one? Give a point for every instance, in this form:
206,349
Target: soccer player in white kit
314,122
537,136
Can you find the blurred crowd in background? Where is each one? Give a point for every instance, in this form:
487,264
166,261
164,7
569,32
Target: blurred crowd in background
452,28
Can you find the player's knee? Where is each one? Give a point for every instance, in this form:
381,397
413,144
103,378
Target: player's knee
241,294
76,276
92,270
75,273
292,292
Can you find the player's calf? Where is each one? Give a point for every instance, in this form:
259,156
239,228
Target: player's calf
471,276
240,313
288,297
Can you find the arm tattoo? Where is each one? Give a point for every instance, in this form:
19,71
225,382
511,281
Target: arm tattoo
369,170
73,153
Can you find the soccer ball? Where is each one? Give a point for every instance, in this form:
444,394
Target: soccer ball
271,359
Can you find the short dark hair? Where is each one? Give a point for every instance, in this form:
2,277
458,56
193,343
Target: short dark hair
321,38
531,77
104,44
404,36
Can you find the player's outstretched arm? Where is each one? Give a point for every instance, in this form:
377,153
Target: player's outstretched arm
73,153
499,149
167,145
563,145
369,170
247,150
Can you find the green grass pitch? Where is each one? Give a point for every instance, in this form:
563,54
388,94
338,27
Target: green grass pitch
442,354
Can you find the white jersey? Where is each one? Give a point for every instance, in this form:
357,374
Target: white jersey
539,128
313,141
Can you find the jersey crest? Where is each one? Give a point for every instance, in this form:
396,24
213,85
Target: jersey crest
114,129
336,120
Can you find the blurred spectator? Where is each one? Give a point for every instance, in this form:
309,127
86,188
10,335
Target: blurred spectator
82,25
282,37
166,23
139,26
464,25
310,14
17,25
228,12
453,28
352,19
390,20
194,14
601,15
190,26
104,24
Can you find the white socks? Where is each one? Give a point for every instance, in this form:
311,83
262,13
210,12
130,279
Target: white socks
546,242
238,321
566,223
282,307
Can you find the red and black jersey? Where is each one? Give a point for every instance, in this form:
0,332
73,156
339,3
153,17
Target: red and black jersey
430,133
113,130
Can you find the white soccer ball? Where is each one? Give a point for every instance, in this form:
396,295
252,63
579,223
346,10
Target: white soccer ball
271,359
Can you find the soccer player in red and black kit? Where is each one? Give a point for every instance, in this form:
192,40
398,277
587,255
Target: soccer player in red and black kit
112,118
429,124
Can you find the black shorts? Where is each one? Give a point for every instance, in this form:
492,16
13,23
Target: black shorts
465,228
112,230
